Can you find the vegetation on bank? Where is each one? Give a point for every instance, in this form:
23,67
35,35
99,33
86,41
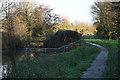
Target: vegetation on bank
70,64
61,38
112,63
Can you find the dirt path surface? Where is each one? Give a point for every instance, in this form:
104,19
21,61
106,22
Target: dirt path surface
98,65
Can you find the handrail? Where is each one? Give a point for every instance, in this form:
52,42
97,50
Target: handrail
53,48
58,47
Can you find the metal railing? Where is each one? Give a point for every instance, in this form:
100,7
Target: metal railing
59,48
4,68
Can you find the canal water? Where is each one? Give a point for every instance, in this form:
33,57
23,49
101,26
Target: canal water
10,59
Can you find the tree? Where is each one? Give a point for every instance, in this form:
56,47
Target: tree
15,25
9,38
65,24
104,14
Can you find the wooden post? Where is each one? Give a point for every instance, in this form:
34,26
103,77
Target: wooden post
110,33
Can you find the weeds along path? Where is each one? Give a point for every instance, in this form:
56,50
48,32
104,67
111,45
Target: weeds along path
98,65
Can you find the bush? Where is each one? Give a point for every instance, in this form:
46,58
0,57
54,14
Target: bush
38,31
61,37
9,43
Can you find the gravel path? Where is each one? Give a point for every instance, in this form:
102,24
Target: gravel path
98,65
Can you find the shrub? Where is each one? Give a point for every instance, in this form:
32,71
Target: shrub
61,37
9,43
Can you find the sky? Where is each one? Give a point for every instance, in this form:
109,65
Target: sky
75,10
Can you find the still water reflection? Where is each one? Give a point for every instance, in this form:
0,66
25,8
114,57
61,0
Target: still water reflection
13,57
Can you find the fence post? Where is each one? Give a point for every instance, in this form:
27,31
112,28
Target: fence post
26,52
45,51
64,49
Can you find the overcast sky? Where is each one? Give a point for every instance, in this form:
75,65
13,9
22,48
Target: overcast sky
74,9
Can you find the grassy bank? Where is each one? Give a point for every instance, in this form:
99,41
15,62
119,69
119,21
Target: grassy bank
64,65
112,62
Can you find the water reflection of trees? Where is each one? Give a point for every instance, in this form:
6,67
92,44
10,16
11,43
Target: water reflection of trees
9,49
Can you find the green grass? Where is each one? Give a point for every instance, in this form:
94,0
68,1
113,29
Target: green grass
70,64
112,62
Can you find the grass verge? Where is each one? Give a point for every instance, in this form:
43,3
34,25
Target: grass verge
70,64
112,63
